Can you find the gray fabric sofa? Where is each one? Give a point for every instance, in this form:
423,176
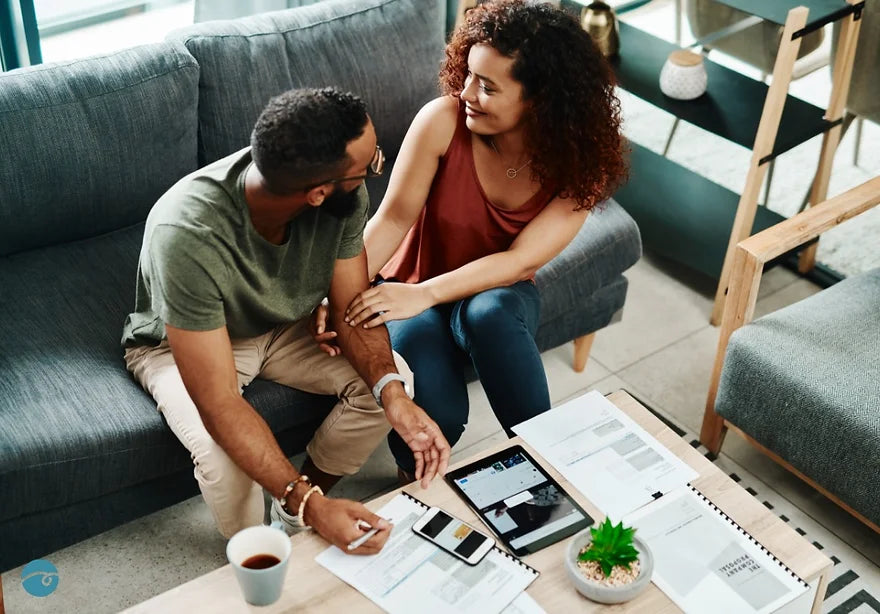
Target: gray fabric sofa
89,145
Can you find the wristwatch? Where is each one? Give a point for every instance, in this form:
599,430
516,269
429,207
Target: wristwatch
384,380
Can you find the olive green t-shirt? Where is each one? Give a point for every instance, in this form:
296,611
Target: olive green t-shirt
203,265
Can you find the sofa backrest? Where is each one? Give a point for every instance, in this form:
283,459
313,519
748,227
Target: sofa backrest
386,51
89,145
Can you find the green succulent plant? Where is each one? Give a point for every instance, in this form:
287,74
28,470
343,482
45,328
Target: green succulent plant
611,545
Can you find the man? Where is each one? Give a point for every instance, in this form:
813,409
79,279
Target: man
235,257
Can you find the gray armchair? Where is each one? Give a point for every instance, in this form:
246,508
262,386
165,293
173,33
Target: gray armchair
803,384
756,46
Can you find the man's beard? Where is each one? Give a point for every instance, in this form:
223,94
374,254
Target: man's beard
340,204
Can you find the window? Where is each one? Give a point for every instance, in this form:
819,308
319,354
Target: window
35,31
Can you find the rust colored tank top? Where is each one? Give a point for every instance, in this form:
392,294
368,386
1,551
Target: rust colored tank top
458,223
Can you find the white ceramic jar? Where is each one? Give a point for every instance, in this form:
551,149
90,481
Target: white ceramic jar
683,76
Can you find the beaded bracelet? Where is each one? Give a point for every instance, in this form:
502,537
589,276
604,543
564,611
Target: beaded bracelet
289,489
302,504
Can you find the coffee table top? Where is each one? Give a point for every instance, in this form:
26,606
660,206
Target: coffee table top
310,587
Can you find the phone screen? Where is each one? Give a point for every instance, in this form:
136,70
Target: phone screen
452,534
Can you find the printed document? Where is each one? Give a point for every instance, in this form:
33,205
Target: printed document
524,604
705,562
411,570
604,454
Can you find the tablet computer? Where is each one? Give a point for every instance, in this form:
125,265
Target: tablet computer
518,501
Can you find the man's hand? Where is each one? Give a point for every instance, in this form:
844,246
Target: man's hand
336,520
429,447
318,328
386,302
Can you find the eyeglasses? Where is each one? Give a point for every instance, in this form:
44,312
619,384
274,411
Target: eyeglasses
376,168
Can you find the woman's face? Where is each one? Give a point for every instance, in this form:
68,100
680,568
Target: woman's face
492,97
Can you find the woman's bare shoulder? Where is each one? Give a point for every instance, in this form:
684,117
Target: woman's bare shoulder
443,108
436,121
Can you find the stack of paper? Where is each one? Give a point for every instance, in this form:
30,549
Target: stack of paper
706,562
411,570
603,453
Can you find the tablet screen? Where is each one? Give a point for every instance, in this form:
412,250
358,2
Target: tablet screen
524,507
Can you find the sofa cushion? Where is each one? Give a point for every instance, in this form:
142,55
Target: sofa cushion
89,145
803,382
606,245
73,424
392,50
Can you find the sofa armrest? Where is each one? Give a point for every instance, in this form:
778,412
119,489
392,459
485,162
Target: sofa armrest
748,265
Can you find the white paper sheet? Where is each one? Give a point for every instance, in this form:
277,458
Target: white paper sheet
411,570
604,454
524,604
704,563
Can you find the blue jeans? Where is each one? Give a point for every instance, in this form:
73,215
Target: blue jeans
493,330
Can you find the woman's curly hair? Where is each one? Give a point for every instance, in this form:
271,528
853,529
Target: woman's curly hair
572,127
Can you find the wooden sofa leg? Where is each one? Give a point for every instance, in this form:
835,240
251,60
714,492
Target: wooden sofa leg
582,347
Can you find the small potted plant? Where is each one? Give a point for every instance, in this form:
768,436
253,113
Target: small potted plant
609,564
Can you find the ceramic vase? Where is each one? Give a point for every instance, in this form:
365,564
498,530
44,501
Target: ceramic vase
600,22
683,76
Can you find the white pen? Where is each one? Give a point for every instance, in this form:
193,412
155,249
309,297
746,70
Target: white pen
360,541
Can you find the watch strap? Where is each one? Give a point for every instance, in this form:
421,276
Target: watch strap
384,381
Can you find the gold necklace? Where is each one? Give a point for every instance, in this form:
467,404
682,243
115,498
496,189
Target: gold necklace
511,172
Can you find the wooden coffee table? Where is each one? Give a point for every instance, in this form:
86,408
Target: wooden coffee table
310,587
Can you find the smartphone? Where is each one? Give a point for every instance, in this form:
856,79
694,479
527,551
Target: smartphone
458,538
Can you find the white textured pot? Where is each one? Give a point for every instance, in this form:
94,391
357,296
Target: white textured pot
607,594
683,76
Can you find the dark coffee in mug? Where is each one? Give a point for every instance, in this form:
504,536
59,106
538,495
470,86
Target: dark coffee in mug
261,561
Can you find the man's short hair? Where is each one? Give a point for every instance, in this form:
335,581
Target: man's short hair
299,139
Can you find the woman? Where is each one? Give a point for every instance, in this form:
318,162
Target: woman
493,180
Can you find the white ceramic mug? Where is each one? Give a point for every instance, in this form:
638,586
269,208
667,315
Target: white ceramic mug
683,76
259,586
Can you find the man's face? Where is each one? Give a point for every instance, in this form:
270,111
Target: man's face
366,157
339,203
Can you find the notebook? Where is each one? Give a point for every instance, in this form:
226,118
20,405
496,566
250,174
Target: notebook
410,569
706,562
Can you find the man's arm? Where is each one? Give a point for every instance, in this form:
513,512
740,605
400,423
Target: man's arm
369,352
207,367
